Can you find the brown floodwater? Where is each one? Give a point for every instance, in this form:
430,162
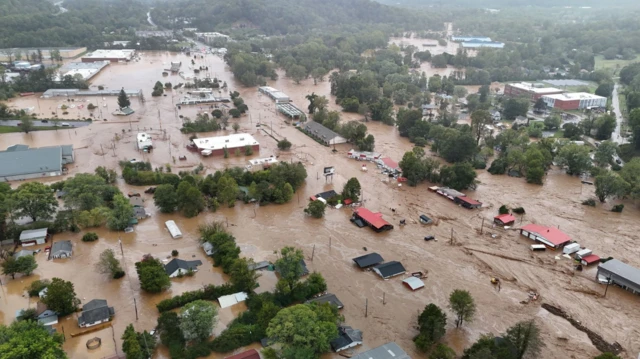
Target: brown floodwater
333,241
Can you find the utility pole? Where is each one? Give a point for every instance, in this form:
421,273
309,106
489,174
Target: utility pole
383,298
607,287
482,226
121,250
313,252
366,307
135,305
451,240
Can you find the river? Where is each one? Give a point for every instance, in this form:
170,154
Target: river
468,263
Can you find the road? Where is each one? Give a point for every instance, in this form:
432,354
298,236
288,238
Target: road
37,123
615,103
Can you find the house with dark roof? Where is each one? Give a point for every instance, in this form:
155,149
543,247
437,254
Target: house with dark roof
136,201
20,162
140,213
327,298
179,266
347,338
467,202
389,269
549,236
368,260
322,134
385,351
61,249
249,354
95,312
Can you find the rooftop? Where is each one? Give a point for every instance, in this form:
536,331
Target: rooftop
527,86
33,160
389,269
231,141
386,351
319,130
623,270
413,283
94,311
327,298
553,235
249,354
347,335
374,219
64,246
505,218
368,260
232,299
570,96
110,54
176,263
33,234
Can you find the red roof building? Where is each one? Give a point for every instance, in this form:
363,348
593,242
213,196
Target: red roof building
467,202
590,259
249,354
390,164
374,220
504,219
549,236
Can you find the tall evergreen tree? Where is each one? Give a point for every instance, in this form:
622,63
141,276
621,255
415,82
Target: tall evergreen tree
123,99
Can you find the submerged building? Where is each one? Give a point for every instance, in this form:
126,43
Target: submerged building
19,162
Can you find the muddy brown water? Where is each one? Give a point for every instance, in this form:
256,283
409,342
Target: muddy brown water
260,231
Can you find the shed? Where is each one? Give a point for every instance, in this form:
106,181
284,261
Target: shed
389,269
232,299
259,266
327,298
571,248
590,259
33,236
173,229
249,354
368,260
23,253
413,283
504,219
621,274
61,249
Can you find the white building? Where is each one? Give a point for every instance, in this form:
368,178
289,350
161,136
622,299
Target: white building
143,141
33,236
216,145
574,101
109,55
173,229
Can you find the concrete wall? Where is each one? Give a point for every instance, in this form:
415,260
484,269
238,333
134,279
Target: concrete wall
31,176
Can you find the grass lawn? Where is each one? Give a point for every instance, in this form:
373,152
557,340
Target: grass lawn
614,65
559,134
12,129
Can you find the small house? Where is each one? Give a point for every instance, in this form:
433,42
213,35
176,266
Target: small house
140,213
95,312
590,259
208,248
549,236
386,351
495,115
259,266
232,299
327,298
504,219
347,338
23,253
389,269
33,236
125,111
136,201
324,195
467,202
61,249
413,283
179,266
368,260
249,354
373,220
46,316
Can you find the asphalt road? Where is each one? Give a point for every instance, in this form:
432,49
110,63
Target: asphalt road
615,103
47,124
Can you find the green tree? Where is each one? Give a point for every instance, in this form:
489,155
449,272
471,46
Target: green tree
534,164
458,176
197,320
243,277
310,327
289,266
121,214
166,198
318,74
366,144
109,264
480,119
460,92
462,304
190,199
29,339
123,99
130,345
352,189
515,107
610,184
631,173
604,153
539,105
61,297
26,125
158,89
297,73
235,127
525,338
86,191
315,209
153,278
572,131
26,264
432,322
441,351
634,124
109,176
35,200
284,144
605,126
605,89
28,314
607,356
552,122
227,190
10,267
575,157
312,106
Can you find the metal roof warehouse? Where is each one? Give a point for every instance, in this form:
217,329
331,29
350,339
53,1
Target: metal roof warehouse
549,236
239,140
621,274
21,162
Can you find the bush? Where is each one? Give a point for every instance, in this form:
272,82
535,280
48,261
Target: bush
503,209
420,142
315,209
90,237
518,210
210,292
617,208
216,113
118,274
590,202
498,167
174,253
284,144
235,113
248,151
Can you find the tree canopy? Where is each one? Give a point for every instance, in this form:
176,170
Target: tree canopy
197,320
29,339
61,297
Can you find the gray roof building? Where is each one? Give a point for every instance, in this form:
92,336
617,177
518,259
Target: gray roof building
177,266
620,273
327,298
348,338
95,312
322,134
61,249
387,351
368,260
20,162
389,269
22,253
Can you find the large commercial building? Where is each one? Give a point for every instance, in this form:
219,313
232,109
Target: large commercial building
529,90
19,162
27,53
574,101
621,274
469,38
216,145
109,55
86,70
476,44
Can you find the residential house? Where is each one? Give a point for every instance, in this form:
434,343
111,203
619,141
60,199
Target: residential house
23,253
327,298
347,338
368,260
249,354
549,236
495,115
386,351
504,219
322,134
33,236
45,315
389,269
140,213
520,121
136,201
95,312
61,249
178,267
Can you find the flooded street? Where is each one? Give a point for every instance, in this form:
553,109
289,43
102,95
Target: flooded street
468,263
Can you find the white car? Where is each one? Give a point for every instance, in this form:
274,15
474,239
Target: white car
65,124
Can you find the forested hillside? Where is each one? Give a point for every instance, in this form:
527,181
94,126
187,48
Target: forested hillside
288,16
39,23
